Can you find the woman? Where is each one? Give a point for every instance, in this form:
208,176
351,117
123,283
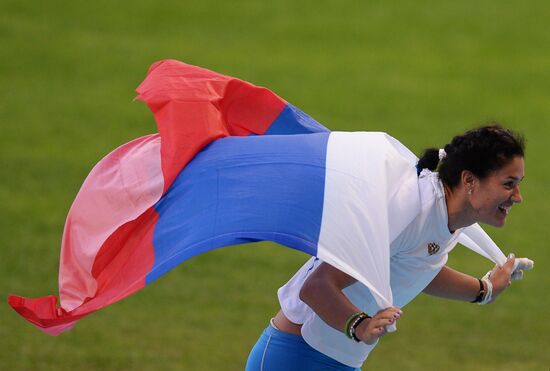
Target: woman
234,163
323,323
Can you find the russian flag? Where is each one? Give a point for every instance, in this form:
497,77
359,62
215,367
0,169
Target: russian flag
119,215
232,163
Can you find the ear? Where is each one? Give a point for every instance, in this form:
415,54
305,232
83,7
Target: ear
468,180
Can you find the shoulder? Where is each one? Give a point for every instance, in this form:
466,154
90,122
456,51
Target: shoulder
430,189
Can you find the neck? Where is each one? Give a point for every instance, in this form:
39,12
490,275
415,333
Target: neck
459,213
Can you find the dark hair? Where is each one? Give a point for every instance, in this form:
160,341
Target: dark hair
481,151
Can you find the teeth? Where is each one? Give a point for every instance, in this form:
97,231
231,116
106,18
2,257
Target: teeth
505,209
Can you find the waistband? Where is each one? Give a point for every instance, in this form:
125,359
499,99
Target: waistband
270,330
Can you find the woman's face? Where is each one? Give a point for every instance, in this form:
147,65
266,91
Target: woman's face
493,197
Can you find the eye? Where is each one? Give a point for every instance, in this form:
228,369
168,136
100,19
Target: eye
509,185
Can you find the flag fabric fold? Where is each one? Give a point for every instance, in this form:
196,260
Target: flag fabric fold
231,163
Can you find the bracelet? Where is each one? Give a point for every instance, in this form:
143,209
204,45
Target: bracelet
350,320
485,291
480,294
351,325
354,326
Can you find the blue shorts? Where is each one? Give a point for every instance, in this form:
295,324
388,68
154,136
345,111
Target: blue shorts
281,351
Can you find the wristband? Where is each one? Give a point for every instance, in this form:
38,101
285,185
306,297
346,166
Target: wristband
489,294
480,294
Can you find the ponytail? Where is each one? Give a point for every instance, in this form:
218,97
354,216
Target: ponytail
429,160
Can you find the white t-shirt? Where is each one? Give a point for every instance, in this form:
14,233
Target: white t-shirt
416,256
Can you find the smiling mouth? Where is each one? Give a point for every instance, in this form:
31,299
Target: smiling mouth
505,209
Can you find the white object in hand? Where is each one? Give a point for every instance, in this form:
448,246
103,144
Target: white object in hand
520,265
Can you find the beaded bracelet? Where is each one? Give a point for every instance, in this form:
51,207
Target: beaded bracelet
352,323
350,320
355,324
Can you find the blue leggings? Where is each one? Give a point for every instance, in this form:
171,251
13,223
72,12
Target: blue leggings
280,351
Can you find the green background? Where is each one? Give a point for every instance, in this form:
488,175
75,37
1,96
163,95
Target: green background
420,70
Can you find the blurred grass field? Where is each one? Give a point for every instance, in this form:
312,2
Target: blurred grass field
422,71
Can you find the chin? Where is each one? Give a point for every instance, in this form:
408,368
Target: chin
497,223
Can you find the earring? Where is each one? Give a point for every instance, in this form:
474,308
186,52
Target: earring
469,192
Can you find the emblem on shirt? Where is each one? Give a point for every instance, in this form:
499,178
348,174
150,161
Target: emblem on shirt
433,248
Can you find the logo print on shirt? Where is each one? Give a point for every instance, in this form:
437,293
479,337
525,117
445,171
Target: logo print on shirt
433,248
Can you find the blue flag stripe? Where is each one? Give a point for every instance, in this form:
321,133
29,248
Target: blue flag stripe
243,189
293,121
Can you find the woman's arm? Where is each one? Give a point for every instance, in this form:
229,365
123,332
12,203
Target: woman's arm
452,284
322,292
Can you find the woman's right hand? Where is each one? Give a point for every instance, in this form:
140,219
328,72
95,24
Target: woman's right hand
371,329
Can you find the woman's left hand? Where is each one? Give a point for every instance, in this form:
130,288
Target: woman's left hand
501,277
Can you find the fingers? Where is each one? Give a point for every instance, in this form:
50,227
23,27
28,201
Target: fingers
509,265
376,326
384,318
381,322
502,277
505,269
391,311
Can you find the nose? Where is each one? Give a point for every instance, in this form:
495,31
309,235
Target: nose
516,196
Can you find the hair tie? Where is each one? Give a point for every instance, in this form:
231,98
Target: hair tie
442,154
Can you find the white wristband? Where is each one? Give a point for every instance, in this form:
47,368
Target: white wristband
488,290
